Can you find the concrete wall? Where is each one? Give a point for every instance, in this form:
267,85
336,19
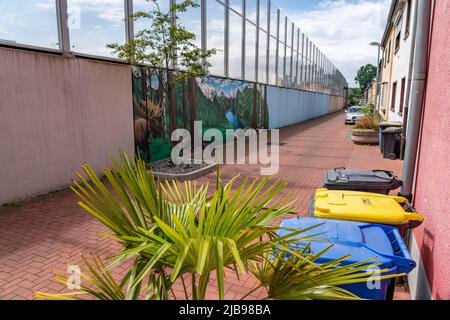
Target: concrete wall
432,193
55,114
288,106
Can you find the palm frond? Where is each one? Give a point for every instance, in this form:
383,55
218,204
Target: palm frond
296,275
170,230
99,284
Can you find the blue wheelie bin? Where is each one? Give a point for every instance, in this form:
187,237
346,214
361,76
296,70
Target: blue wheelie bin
382,127
361,241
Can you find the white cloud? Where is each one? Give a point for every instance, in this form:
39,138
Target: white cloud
343,30
113,15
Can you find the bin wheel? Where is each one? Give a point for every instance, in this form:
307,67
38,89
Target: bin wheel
392,156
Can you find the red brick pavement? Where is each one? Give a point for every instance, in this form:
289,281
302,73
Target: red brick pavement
42,237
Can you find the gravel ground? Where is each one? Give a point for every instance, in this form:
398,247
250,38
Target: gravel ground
167,166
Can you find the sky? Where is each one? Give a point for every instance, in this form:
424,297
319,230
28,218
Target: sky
342,29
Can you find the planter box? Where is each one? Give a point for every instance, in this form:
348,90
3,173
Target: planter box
362,136
209,168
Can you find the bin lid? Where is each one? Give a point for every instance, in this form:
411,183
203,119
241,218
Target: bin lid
364,178
391,124
362,241
362,206
393,130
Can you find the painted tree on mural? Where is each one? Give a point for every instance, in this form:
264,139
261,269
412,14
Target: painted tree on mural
166,45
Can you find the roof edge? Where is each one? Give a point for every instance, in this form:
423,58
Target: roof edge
389,20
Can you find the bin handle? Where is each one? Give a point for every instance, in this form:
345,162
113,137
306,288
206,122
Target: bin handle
362,175
415,219
339,177
390,173
409,207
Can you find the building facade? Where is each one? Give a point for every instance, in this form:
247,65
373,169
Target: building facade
81,99
402,21
371,93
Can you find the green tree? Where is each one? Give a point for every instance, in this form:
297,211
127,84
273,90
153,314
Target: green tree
355,95
365,76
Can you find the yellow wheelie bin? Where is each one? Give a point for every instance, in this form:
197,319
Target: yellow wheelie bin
365,207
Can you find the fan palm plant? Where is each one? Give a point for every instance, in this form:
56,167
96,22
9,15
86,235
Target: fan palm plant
170,230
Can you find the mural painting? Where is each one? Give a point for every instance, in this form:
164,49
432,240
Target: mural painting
219,103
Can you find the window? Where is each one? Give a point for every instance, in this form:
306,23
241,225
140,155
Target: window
289,33
192,21
283,23
402,96
398,33
408,18
289,54
302,60
273,20
388,53
251,9
29,22
308,64
263,14
250,52
262,71
96,24
143,23
236,5
272,61
295,57
281,63
394,96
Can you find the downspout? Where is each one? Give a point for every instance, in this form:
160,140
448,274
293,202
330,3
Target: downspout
408,88
417,95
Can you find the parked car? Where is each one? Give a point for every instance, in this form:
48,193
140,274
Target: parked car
353,113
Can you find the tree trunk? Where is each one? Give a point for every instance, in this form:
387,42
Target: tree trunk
144,75
266,109
185,124
162,103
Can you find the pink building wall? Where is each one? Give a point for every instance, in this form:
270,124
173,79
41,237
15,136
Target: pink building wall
432,194
55,114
